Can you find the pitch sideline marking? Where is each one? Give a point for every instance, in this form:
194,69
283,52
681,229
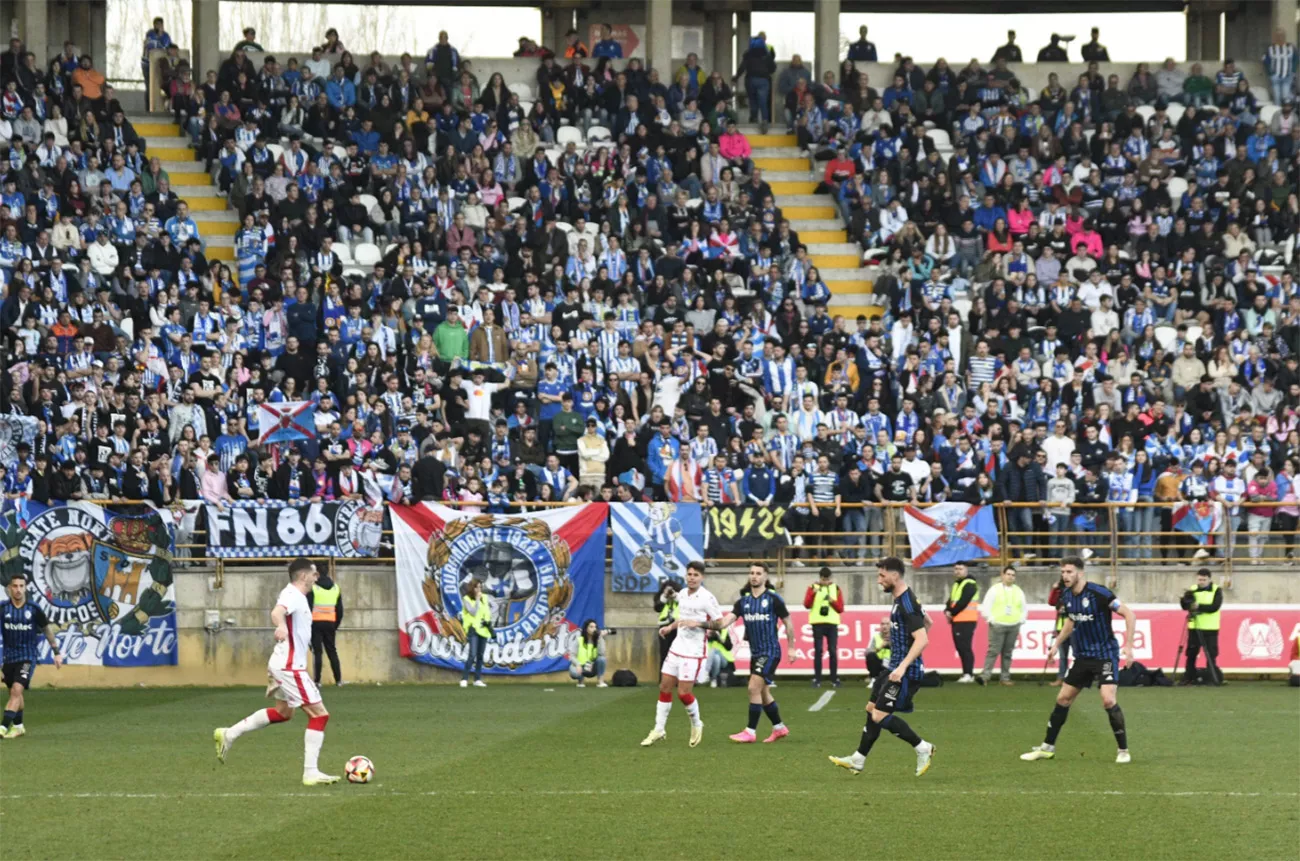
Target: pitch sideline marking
822,701
664,791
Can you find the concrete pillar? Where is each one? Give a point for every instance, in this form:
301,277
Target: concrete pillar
205,41
659,37
827,18
561,21
98,43
79,25
744,32
1284,12
1203,32
724,56
35,15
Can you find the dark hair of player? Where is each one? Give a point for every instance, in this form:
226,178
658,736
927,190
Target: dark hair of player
892,564
299,566
695,566
19,576
1073,560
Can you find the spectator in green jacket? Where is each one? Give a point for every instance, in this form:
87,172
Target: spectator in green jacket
1198,88
566,427
451,338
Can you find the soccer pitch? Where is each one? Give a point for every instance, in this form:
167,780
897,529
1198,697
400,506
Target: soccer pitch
525,771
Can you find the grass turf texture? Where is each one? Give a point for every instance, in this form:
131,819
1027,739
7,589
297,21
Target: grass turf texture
522,772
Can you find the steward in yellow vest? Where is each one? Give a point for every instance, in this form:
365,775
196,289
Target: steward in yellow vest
879,654
326,616
962,611
722,660
476,621
666,607
587,656
1202,603
825,602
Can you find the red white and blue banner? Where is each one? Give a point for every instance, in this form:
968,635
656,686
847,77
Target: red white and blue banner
950,532
543,576
102,576
287,421
1201,520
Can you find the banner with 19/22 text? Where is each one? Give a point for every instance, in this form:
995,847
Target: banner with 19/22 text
543,576
754,531
103,577
654,542
282,529
1253,638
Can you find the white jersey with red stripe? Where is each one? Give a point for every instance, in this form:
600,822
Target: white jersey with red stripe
292,653
699,606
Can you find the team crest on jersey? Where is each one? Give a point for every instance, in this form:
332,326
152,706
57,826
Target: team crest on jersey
1085,603
523,569
86,571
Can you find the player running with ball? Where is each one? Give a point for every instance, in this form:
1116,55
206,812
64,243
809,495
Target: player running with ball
686,662
290,681
1088,608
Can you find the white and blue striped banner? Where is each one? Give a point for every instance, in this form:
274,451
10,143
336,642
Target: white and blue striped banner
653,542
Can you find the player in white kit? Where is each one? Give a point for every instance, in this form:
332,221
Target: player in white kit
688,657
290,682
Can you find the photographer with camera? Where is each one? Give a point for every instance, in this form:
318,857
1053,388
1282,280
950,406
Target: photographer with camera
587,654
475,616
666,607
1202,603
825,602
721,663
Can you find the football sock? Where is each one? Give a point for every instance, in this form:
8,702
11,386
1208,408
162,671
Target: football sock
18,717
899,727
257,720
312,741
1055,722
755,712
9,719
1116,726
662,708
773,713
870,733
692,707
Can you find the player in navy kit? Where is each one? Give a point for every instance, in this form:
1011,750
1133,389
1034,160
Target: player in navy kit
909,633
1088,611
21,627
763,612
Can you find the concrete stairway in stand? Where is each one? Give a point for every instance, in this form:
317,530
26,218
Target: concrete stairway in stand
816,219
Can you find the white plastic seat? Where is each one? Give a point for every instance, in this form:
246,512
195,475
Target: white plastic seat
1194,332
522,89
598,133
941,139
369,201
1266,113
1175,112
1165,337
526,106
569,134
343,253
276,150
513,203
564,227
1177,187
351,271
1262,95
1146,112
367,254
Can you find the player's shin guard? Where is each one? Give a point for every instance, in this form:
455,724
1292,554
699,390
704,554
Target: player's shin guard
1055,722
870,733
899,727
312,741
1117,726
662,708
773,713
692,707
755,712
10,719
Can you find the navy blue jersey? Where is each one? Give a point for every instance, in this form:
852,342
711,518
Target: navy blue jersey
1090,610
21,631
905,617
761,615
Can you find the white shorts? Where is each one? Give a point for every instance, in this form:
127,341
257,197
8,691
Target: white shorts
686,669
294,687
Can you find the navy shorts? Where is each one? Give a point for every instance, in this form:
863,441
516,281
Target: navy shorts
18,673
1084,671
765,666
893,697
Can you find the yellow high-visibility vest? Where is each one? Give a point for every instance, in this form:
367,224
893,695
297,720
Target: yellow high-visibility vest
474,616
1204,621
668,613
325,603
971,612
881,647
587,652
824,598
719,645
1008,605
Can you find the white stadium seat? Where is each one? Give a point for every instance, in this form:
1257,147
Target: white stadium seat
523,90
570,134
1165,337
367,254
598,133
1177,186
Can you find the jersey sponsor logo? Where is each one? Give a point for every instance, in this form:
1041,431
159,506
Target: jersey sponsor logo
86,571
1081,617
1259,641
523,569
757,617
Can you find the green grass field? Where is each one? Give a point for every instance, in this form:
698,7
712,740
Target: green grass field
529,772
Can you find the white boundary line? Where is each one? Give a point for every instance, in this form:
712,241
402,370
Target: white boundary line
614,793
822,701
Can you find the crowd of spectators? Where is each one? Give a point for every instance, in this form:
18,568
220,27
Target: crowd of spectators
597,294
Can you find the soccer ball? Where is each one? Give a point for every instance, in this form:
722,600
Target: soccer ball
359,770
